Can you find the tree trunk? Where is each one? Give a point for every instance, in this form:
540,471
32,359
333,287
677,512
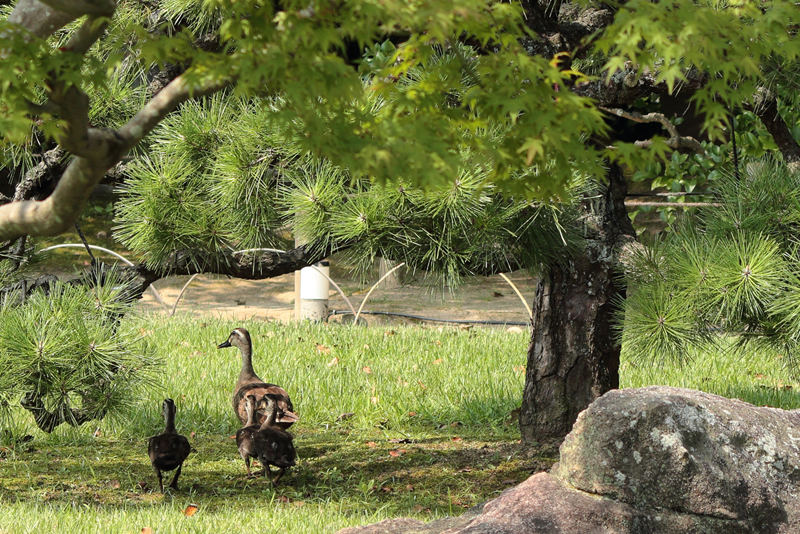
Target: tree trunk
573,356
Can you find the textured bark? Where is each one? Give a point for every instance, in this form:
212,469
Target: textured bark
573,356
767,110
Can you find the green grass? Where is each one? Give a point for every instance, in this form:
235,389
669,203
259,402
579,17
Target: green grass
761,378
430,434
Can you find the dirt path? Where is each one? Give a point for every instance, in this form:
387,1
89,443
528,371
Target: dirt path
479,299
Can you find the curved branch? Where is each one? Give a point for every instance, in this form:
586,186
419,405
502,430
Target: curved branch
83,7
39,18
98,151
675,141
162,104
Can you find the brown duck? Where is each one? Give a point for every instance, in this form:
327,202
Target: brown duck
168,450
244,436
250,384
273,445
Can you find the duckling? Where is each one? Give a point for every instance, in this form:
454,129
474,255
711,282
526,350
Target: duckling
273,445
244,436
169,449
250,384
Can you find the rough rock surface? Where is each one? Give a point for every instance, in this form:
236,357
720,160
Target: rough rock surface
651,461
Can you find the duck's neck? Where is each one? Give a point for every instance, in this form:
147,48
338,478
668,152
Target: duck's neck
272,413
169,427
247,362
251,414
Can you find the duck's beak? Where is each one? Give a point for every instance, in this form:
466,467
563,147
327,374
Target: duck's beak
224,345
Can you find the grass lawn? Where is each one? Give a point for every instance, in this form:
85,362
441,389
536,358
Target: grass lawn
428,432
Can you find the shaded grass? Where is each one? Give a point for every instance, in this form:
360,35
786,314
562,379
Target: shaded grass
428,437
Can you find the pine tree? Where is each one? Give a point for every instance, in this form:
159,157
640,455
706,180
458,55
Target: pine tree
65,355
727,272
380,104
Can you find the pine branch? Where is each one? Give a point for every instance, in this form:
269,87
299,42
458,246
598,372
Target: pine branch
675,141
48,421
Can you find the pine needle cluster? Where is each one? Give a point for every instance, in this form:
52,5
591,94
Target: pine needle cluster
66,351
222,175
208,186
730,271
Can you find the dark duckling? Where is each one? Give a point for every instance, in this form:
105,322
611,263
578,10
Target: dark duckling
168,450
273,445
244,436
250,384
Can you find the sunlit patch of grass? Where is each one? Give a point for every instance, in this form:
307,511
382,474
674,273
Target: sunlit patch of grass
760,377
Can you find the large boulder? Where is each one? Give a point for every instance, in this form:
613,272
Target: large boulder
652,460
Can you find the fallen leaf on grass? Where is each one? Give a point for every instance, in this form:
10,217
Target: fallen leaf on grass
374,400
386,489
399,440
299,503
284,499
465,470
334,361
455,438
371,444
759,376
389,333
519,368
437,361
397,452
367,370
147,530
190,510
322,349
410,487
192,434
412,414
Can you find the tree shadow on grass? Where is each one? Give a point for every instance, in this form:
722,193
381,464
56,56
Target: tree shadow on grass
435,474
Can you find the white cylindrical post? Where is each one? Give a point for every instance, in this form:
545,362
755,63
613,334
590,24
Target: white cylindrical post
314,289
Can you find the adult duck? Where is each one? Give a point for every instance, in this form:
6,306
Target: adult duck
169,449
250,384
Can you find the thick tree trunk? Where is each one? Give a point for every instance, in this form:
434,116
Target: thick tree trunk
573,357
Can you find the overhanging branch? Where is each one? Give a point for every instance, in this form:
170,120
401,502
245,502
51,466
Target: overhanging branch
675,141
